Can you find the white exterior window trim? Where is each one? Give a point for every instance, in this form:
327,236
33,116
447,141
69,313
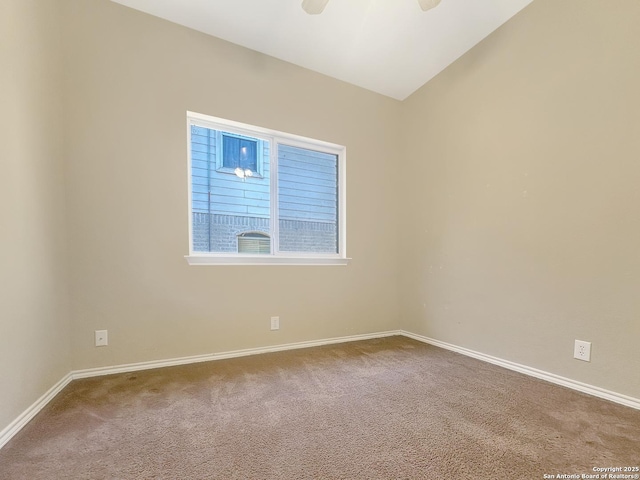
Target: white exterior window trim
220,153
275,138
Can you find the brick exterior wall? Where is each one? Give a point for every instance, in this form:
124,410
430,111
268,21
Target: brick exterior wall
295,235
300,236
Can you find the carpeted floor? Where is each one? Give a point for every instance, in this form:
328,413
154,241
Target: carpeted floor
388,408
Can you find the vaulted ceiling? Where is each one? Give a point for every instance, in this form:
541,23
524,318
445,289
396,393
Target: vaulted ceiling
388,46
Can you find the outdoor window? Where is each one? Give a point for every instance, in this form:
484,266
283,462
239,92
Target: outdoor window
259,196
238,152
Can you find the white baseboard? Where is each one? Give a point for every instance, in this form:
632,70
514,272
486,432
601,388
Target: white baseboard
134,367
533,372
17,425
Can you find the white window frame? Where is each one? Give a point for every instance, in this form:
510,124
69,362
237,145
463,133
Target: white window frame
275,138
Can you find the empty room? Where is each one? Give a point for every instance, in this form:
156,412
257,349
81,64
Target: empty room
287,239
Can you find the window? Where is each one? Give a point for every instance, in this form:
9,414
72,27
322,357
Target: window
259,196
236,151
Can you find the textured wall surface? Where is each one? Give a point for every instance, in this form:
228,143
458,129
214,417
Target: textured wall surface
525,195
34,321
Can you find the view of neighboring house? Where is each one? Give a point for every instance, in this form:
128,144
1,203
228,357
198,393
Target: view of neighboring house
231,185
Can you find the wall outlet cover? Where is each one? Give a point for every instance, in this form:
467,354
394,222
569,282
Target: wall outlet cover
582,350
102,339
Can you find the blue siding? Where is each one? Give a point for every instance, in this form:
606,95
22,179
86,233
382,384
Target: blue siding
308,183
220,191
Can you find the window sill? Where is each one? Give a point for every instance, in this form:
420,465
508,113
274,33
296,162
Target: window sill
232,171
264,260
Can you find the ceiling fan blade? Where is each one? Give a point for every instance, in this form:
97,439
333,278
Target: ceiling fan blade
428,4
314,7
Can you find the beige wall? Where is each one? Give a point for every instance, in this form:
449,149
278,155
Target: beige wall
131,80
34,323
526,193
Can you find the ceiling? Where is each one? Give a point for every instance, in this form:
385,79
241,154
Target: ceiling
388,46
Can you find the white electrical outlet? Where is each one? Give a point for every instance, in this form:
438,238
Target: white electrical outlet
582,350
102,340
275,323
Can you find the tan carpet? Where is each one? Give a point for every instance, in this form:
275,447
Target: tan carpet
388,408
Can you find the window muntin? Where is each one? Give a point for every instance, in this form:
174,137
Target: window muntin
296,198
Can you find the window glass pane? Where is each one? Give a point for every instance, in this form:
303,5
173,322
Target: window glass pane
240,152
307,200
225,206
